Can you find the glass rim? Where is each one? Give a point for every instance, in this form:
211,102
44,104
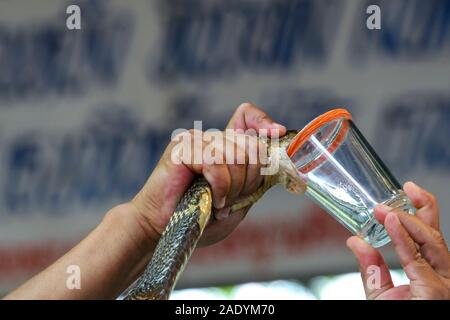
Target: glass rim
315,125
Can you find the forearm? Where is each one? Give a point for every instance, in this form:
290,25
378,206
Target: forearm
110,258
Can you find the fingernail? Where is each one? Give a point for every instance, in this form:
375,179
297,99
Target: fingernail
277,125
354,244
384,207
415,186
222,214
219,204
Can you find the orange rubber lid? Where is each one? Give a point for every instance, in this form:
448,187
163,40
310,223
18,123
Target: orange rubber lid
314,125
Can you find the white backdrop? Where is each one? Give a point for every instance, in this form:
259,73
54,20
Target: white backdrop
84,115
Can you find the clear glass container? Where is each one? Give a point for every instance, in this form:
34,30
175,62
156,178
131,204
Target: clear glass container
345,176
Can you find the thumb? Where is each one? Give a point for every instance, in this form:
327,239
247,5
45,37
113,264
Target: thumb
374,271
248,116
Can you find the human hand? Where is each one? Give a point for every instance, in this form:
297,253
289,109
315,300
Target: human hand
229,182
419,245
116,252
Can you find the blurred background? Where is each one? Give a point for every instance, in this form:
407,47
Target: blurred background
85,115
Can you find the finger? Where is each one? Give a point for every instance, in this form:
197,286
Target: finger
426,204
253,180
248,116
374,271
215,170
432,245
223,213
255,149
418,231
238,173
202,154
224,149
415,266
403,243
380,213
254,153
219,178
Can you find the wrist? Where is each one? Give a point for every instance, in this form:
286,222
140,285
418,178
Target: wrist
126,217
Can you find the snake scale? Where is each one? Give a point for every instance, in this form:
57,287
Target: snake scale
191,216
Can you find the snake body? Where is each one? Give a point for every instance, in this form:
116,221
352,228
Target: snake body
190,218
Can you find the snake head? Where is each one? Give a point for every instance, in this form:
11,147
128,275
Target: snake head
288,175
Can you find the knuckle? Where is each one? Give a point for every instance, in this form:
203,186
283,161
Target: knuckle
261,117
245,106
437,236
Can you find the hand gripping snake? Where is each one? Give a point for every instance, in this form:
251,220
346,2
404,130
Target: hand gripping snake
191,216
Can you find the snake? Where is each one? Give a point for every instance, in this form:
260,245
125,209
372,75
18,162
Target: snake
192,215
